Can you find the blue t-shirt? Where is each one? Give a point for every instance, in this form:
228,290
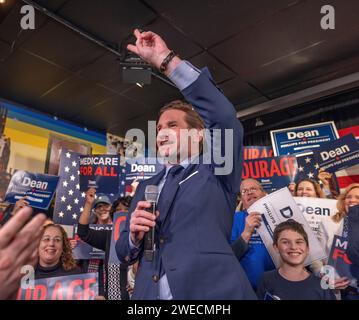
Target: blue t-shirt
274,287
257,260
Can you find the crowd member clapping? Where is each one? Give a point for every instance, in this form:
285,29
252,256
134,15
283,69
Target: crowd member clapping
257,259
291,281
55,254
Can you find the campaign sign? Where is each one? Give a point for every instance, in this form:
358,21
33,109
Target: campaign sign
38,188
102,172
119,223
256,152
337,155
143,169
339,260
82,286
303,139
314,209
83,250
273,173
278,207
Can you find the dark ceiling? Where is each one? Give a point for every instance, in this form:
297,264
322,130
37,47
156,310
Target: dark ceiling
257,51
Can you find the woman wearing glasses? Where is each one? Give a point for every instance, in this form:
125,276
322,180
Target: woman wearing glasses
55,254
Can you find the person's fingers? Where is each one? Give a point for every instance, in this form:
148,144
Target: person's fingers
30,233
137,33
132,48
13,226
26,256
338,280
34,257
143,222
138,228
254,214
144,214
142,204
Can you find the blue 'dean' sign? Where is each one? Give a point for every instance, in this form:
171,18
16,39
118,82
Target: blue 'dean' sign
304,139
38,189
337,155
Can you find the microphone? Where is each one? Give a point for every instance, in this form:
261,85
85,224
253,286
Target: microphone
151,195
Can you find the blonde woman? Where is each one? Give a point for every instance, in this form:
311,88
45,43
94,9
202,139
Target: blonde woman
335,225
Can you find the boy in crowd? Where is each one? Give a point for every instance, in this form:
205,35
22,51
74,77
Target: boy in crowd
291,281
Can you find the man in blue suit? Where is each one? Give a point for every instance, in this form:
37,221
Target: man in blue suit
193,258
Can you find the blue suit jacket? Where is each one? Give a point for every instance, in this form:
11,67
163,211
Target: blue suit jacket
196,225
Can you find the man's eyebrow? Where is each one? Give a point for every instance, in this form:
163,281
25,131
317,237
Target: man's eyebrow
168,123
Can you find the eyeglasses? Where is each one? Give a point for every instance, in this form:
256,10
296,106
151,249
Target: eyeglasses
250,190
47,239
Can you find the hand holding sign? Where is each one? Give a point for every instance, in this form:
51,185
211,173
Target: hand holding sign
341,283
19,240
90,196
253,221
324,177
22,203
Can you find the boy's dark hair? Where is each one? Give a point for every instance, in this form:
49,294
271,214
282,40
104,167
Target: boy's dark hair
289,224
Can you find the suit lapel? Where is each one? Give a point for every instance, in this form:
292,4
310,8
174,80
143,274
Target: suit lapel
171,193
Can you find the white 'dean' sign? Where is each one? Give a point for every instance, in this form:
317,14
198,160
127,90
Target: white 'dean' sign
316,209
275,208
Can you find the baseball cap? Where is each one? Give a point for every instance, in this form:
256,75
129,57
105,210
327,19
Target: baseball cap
102,199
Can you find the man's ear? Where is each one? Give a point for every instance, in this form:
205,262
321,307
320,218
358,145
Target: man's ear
200,134
275,248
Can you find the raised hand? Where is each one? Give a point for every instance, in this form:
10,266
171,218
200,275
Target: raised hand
153,49
253,221
19,205
90,196
19,241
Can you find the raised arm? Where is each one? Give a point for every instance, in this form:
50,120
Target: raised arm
200,91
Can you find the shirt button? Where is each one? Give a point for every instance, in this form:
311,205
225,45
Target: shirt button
162,240
155,278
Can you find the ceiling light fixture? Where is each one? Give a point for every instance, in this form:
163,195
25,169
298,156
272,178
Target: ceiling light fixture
259,122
